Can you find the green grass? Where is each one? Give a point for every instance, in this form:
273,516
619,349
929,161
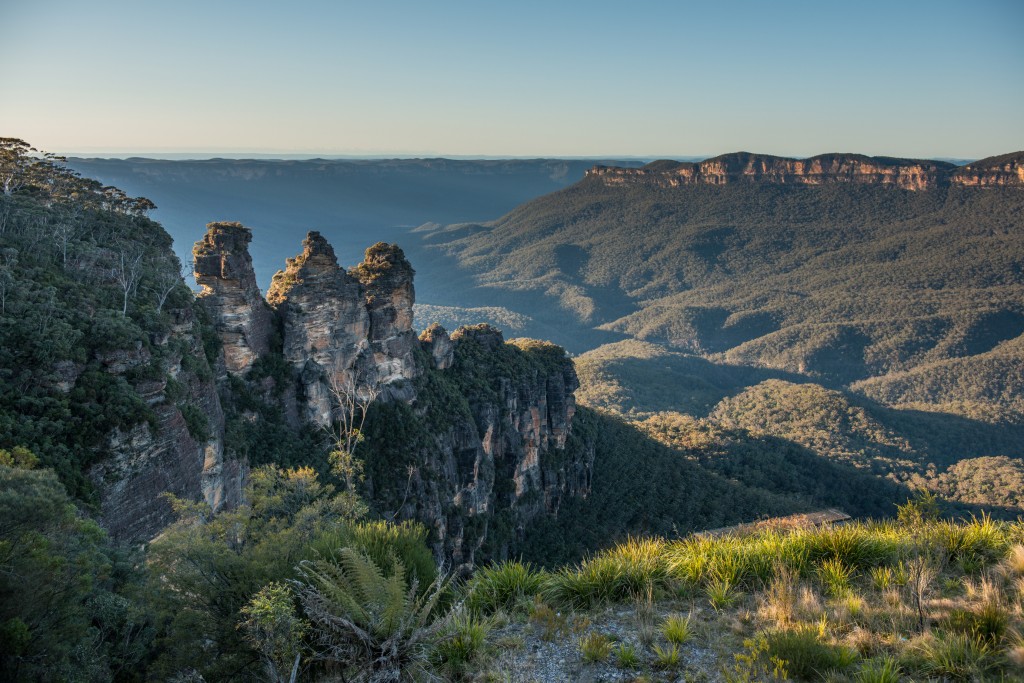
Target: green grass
676,629
835,576
595,647
508,586
807,657
626,656
960,657
882,670
666,657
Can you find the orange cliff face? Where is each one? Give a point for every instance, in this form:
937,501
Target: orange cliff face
1002,171
825,169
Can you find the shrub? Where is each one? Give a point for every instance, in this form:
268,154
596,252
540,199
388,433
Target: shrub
507,586
595,647
370,620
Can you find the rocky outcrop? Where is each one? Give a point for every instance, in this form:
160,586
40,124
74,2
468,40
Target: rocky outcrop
825,169
325,326
438,345
223,268
478,428
387,277
506,459
1006,170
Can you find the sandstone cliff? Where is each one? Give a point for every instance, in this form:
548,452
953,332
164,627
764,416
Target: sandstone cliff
825,169
468,434
496,456
223,268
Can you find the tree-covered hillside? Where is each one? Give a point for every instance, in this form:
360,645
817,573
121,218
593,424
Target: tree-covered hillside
841,283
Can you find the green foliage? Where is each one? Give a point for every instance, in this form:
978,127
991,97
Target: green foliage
509,586
721,591
205,570
196,422
369,621
626,656
959,657
461,644
676,629
924,507
667,657
835,575
595,647
881,670
806,657
274,629
85,326
61,614
617,575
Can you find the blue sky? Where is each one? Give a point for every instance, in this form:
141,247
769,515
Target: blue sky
930,79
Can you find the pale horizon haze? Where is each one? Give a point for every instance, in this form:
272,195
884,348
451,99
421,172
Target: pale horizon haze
585,79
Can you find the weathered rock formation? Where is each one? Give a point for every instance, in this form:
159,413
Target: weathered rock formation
474,429
387,277
825,169
501,461
223,268
436,342
326,326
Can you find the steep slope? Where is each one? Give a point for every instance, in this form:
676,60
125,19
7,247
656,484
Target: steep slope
106,373
832,268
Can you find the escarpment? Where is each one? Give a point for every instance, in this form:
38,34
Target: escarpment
467,433
824,169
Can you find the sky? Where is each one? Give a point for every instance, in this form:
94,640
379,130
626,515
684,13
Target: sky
649,79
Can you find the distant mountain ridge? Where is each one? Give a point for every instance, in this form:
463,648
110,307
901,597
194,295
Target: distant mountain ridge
909,174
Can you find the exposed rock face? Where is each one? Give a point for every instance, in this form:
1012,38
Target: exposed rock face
387,277
492,420
825,169
146,461
223,268
1006,170
436,342
326,325
506,457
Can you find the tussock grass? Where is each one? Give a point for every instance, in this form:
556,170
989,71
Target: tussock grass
822,599
807,655
595,647
508,586
676,629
